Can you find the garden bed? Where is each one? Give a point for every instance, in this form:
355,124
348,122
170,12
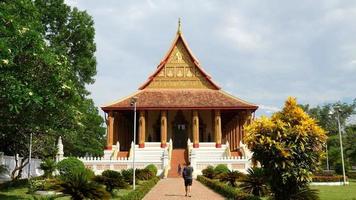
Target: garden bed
225,190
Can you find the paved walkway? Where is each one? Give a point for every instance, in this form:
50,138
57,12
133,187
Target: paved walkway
173,188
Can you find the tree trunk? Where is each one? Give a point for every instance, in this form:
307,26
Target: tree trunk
17,171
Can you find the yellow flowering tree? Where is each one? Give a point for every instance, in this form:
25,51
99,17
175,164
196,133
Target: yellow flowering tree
289,148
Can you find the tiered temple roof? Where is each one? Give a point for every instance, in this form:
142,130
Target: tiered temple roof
179,82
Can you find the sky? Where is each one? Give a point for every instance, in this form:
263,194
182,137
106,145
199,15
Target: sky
260,51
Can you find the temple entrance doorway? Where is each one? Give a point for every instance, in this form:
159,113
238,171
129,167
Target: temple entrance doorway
180,131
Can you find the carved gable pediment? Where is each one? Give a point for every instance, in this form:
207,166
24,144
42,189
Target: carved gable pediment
180,71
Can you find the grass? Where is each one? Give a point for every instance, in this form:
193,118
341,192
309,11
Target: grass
347,192
19,193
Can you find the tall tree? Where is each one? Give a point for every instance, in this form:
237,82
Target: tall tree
43,88
328,120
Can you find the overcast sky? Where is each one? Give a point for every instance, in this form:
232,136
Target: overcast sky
260,51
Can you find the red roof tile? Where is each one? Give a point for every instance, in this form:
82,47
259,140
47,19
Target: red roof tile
181,99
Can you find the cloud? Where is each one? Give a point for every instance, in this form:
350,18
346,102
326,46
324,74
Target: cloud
269,109
262,52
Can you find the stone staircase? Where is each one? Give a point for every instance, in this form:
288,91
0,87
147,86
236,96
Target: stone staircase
179,156
208,151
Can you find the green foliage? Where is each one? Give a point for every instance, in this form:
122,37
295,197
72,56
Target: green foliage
69,165
351,174
209,172
338,168
127,174
48,166
220,169
111,179
14,183
225,190
144,174
53,197
306,193
329,123
46,60
231,177
152,168
289,147
35,185
255,182
80,186
141,191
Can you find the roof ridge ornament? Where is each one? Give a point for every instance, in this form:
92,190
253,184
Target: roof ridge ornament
179,31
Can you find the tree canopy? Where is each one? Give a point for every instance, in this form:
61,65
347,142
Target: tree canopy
328,120
46,59
289,146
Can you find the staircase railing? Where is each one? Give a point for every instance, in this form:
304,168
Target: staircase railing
167,157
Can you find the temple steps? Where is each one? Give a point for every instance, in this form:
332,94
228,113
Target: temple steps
179,156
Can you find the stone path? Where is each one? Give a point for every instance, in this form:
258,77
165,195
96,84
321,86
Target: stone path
173,188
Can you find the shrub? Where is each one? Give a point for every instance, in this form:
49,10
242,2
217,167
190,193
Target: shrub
289,146
338,168
226,190
324,173
254,182
48,166
35,185
220,169
14,183
209,172
336,178
111,179
305,193
67,166
144,174
141,191
79,186
230,177
127,174
152,168
351,174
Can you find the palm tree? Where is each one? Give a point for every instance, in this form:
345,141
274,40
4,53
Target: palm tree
255,182
79,186
231,177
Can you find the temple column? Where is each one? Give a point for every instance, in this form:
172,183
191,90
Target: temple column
217,120
195,129
163,129
116,128
142,129
110,130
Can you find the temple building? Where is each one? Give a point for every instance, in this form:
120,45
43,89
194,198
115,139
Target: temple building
178,102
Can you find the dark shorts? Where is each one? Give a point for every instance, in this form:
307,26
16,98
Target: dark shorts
188,182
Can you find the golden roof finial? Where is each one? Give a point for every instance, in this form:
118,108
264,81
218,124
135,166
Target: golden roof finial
179,26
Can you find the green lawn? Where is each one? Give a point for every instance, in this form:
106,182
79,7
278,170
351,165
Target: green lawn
20,193
347,192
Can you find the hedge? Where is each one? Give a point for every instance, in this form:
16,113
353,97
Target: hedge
140,191
351,174
335,178
226,190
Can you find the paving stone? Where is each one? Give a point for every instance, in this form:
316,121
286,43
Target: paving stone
173,188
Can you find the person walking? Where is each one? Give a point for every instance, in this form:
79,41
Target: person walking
188,179
179,169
